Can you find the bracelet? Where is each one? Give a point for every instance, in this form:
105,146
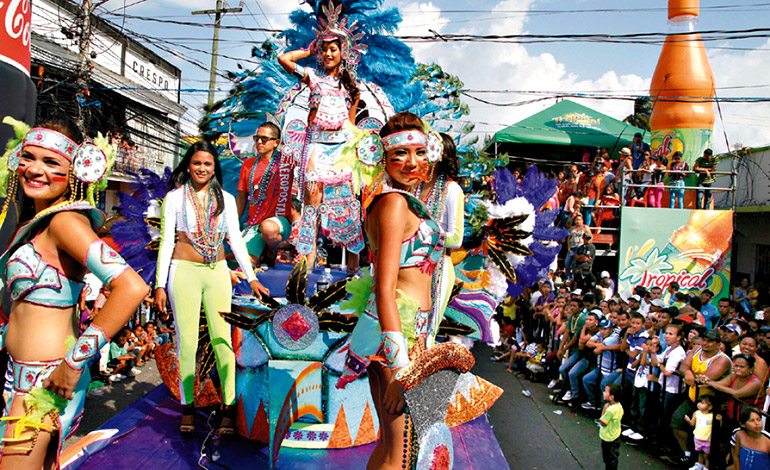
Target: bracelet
395,349
86,347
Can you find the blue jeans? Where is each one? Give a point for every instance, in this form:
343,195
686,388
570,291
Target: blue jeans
571,371
569,260
676,194
699,201
587,212
591,380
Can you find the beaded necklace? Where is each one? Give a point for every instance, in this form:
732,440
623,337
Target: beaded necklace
206,240
436,197
258,195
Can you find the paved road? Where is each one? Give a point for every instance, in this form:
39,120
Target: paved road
531,435
98,409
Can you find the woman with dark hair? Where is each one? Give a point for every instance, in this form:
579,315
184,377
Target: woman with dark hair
445,200
741,383
194,272
43,272
334,99
407,244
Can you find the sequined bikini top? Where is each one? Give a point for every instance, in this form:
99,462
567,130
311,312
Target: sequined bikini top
425,248
33,280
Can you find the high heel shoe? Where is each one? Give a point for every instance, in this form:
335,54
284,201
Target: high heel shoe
187,424
227,423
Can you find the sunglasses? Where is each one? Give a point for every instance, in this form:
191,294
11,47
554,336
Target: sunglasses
264,138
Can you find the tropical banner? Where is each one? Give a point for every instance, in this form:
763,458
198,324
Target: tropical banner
691,247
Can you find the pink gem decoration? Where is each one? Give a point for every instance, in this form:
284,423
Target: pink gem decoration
87,162
373,148
69,149
84,348
30,377
441,458
295,326
39,137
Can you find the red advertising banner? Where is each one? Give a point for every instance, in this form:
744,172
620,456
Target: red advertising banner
15,23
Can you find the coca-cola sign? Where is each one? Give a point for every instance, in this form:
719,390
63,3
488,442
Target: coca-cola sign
15,18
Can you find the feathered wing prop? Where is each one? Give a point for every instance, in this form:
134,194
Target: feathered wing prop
20,129
137,233
529,198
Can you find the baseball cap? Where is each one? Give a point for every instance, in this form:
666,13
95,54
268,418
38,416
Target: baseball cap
734,328
577,292
711,335
605,323
635,297
605,274
638,134
658,303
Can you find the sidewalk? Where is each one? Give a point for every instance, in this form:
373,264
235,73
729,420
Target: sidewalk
98,409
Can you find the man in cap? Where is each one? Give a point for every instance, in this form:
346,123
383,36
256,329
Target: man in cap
586,253
705,167
731,334
605,372
708,360
638,148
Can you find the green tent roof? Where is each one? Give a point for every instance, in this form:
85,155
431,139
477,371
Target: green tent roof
571,124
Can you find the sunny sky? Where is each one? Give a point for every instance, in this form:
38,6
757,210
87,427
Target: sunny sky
501,72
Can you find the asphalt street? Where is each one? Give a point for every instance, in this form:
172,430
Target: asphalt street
536,434
531,434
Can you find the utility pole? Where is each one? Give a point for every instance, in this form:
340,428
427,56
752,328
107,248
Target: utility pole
84,61
218,12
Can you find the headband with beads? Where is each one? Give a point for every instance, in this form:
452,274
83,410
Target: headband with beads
372,148
90,161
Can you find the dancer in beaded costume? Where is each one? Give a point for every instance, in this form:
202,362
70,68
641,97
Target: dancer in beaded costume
43,271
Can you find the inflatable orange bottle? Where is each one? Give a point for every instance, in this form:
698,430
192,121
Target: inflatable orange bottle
681,90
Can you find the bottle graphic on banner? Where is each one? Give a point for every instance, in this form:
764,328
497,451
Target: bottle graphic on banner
682,88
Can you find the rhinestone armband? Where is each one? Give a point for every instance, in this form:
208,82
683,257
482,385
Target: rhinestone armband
86,347
394,349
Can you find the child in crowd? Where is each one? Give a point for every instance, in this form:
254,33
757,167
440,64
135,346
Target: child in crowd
121,361
143,342
751,450
701,420
535,363
610,426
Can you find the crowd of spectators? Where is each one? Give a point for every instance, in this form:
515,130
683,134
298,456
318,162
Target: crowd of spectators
693,376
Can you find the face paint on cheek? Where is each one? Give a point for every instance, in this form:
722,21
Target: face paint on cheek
58,178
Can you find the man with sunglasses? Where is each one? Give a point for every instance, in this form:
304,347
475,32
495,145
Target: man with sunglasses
264,186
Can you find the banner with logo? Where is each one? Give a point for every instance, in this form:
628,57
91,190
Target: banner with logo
691,247
15,18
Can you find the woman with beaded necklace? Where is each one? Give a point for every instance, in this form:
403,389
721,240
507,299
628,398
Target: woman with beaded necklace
445,200
194,271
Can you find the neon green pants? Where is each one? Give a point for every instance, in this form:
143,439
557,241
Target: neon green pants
190,285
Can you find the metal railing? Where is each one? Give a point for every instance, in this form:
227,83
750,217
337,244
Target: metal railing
624,186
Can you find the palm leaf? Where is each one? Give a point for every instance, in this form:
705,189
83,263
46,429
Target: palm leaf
295,289
515,248
501,261
449,327
336,292
247,322
329,321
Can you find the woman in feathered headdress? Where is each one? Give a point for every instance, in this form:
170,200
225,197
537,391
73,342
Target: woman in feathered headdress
334,98
43,270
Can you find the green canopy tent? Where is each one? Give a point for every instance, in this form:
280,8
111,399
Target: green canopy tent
563,132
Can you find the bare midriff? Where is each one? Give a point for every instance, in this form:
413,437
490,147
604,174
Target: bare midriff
38,333
183,250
